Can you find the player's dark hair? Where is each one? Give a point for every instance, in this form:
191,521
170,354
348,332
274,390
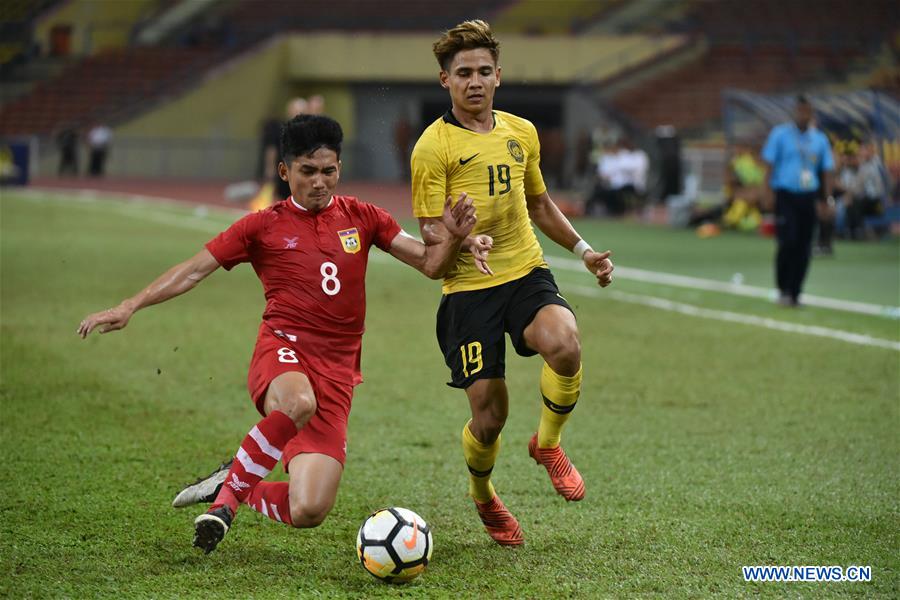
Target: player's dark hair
468,35
304,134
803,100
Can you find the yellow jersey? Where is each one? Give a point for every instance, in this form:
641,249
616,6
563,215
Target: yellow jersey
496,169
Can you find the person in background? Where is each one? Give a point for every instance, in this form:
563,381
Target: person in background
67,142
846,178
613,179
636,166
796,153
98,139
314,106
826,214
272,187
403,138
744,190
867,197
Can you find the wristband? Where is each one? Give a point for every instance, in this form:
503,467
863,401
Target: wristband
581,248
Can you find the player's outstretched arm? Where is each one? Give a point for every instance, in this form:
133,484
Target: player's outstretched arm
434,232
177,280
438,254
550,220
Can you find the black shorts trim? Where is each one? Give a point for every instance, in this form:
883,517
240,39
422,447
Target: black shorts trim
471,326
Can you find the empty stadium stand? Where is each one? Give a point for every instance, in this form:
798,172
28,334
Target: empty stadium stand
100,86
763,46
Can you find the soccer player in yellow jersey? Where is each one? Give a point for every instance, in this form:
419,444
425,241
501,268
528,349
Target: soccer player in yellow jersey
494,157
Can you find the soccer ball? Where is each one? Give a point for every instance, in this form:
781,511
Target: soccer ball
394,544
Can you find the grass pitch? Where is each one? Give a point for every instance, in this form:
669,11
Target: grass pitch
705,445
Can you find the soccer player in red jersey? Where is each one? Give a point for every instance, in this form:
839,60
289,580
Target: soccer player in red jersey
310,252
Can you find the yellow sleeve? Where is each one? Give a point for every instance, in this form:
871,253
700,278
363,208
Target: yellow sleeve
429,177
534,181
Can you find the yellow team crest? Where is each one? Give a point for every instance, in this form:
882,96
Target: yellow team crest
515,150
350,240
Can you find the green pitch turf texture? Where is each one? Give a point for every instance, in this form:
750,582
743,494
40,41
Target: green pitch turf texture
705,445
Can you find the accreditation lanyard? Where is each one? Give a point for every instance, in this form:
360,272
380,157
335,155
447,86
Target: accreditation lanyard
807,156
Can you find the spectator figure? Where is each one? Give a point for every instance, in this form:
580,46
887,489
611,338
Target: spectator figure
867,197
583,147
826,214
314,106
98,139
796,153
403,138
636,166
553,155
613,181
272,187
67,142
745,190
846,180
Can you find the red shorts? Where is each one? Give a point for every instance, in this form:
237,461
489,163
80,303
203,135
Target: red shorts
326,431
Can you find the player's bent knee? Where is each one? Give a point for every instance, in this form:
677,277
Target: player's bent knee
563,353
487,425
300,407
304,516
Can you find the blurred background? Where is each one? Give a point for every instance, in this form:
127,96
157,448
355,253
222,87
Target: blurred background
648,109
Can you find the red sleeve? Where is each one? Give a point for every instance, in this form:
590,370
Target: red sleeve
383,226
232,246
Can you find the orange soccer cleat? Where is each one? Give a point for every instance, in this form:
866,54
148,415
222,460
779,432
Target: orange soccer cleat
563,474
499,522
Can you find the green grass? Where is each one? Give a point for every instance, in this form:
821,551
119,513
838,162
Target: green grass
705,445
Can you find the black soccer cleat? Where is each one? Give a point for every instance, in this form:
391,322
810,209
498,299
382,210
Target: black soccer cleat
211,527
205,489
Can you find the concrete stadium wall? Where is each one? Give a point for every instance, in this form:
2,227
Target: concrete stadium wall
408,58
96,24
370,82
226,111
230,103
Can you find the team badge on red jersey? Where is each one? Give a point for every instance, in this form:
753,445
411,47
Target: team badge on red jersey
350,240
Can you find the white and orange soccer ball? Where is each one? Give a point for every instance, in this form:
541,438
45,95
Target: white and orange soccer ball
394,544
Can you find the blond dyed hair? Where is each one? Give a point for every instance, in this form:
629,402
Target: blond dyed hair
468,35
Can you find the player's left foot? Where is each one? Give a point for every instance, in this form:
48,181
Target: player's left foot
211,527
563,474
205,489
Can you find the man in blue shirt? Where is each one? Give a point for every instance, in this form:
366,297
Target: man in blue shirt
797,155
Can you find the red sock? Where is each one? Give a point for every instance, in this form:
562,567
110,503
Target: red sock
225,497
271,498
259,453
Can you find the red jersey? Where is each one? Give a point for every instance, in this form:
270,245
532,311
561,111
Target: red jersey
313,270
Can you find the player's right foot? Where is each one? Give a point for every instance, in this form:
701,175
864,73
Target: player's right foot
205,489
565,477
499,522
211,527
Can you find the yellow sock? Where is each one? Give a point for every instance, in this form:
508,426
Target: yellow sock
480,460
560,395
735,213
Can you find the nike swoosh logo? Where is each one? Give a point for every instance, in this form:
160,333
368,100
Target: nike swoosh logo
411,542
464,161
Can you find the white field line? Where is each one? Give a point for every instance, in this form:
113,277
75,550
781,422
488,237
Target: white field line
733,317
566,264
201,224
736,289
89,196
707,313
140,207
